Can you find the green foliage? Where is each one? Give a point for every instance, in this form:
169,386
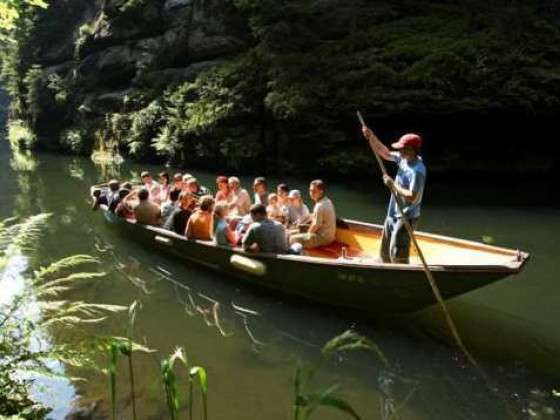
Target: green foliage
86,32
28,312
33,82
72,139
128,5
16,25
59,87
20,135
13,11
198,372
11,76
23,161
137,129
290,98
305,402
171,388
121,346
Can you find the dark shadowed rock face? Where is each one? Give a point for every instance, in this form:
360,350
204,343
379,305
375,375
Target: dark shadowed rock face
106,47
4,100
475,73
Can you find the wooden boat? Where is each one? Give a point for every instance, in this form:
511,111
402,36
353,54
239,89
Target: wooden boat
358,281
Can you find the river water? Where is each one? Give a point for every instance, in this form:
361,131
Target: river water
251,342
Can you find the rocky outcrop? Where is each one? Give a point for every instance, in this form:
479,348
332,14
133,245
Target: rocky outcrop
107,47
290,75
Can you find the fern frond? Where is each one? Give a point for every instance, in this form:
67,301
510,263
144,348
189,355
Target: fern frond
70,320
64,281
25,234
67,263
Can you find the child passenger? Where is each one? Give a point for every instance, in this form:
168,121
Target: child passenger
223,235
274,210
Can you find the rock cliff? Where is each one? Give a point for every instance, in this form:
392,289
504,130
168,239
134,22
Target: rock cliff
274,84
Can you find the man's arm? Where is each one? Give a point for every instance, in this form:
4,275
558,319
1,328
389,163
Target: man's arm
317,220
249,243
130,196
188,229
376,144
409,195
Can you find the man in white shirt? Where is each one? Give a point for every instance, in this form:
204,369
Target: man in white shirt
239,201
322,231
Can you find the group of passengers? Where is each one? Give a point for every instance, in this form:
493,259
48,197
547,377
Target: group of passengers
275,222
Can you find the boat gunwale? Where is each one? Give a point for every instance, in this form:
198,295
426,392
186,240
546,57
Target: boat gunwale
513,268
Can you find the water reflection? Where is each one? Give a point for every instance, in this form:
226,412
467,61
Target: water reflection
404,388
23,161
250,341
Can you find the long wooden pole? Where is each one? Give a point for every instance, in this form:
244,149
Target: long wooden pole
427,271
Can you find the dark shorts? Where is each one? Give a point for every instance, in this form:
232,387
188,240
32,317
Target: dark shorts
395,243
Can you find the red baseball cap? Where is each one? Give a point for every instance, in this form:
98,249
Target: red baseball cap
412,140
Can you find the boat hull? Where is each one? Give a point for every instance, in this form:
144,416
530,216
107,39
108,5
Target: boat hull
384,289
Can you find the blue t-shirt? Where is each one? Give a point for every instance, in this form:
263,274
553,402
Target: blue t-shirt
411,176
220,234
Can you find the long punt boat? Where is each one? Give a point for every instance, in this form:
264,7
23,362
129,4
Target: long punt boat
351,279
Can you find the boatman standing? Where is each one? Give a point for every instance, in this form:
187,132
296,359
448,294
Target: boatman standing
408,185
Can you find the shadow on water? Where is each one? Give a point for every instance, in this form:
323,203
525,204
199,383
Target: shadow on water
251,342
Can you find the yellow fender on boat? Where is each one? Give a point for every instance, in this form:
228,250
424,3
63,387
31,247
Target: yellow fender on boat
248,265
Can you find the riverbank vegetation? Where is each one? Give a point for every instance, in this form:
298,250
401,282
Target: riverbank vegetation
255,84
32,303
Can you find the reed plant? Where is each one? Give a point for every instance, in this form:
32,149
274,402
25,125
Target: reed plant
123,346
171,388
305,401
199,373
170,381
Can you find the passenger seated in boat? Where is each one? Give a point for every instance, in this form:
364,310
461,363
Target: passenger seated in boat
178,181
123,209
273,210
180,214
239,199
146,212
223,234
264,235
196,189
241,226
99,198
223,189
154,190
165,187
322,231
199,225
113,195
260,189
298,212
282,191
184,186
171,204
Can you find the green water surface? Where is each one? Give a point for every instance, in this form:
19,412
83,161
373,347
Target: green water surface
251,342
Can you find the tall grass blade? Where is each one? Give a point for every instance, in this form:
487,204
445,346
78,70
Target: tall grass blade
169,385
328,399
130,331
200,373
113,350
170,381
